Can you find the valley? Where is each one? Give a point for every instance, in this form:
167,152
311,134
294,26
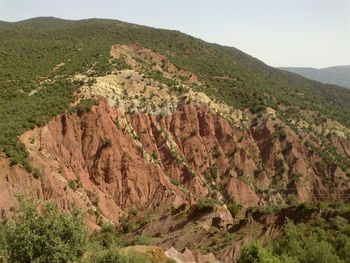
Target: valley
155,134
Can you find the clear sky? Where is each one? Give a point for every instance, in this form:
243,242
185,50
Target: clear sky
310,33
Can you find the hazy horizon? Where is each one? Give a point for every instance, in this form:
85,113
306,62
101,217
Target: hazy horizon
282,34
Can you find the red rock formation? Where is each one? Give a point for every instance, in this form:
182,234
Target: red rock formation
193,147
90,149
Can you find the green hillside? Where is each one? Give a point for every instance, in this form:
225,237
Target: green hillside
30,50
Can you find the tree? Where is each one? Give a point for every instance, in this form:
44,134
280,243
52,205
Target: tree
46,236
255,253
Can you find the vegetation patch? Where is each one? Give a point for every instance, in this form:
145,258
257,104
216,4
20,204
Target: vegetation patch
85,105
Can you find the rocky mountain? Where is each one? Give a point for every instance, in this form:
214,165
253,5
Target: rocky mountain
339,75
199,146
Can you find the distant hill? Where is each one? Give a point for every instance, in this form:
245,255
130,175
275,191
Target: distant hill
339,75
3,23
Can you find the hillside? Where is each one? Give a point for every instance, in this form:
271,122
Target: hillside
339,75
155,133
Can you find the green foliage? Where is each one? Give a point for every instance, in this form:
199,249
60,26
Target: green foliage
265,209
158,76
336,205
205,204
189,171
72,185
304,243
257,108
154,155
294,177
213,170
318,240
106,143
111,237
49,236
255,253
114,256
133,211
194,132
174,182
54,236
234,208
119,64
21,112
36,173
85,105
107,242
279,133
140,240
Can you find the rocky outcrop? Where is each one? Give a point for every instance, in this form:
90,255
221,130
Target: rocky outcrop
108,162
103,163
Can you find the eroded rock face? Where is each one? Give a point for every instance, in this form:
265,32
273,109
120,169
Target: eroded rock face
116,171
196,148
92,152
297,168
119,162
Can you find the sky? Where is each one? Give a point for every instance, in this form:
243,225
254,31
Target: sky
303,33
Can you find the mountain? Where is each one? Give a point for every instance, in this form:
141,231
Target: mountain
154,133
339,75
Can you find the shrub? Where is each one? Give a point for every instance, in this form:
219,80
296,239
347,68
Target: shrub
255,253
234,208
189,171
133,211
257,108
85,105
141,240
72,185
49,236
154,155
113,256
213,171
174,182
279,133
36,173
305,244
194,132
120,64
266,209
106,143
205,203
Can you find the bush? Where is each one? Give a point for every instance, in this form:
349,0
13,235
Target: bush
106,143
72,185
304,243
279,134
194,132
266,210
174,182
141,240
85,105
205,203
113,256
213,171
36,173
234,208
49,236
255,253
120,64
